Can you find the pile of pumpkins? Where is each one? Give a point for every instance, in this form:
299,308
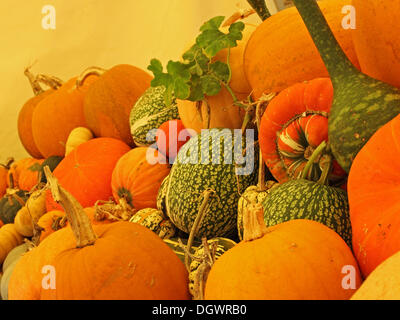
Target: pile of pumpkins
114,202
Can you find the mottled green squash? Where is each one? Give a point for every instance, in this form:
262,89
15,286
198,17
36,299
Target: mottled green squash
149,113
209,161
9,206
154,220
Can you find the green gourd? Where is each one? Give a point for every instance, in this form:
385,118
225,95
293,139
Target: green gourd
361,104
10,205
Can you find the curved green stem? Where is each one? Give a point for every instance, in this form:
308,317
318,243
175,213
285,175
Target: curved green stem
317,152
327,166
261,8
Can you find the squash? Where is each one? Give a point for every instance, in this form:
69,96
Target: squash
28,215
50,222
4,180
9,239
293,126
86,171
116,269
148,113
374,206
154,220
171,136
55,116
204,165
376,40
52,162
109,101
294,260
383,283
137,177
25,114
219,111
281,53
8,267
76,137
11,203
361,104
24,173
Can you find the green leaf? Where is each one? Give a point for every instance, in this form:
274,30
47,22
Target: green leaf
196,92
155,66
220,70
210,85
213,23
181,89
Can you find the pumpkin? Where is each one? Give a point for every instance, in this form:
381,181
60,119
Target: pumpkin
86,171
4,181
154,220
11,203
117,270
25,114
76,137
28,215
148,113
376,42
293,126
361,104
171,136
55,116
374,205
383,282
24,171
50,222
8,267
137,177
294,260
109,101
9,239
281,53
219,111
208,162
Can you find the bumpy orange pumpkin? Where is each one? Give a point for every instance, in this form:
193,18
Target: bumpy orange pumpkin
109,101
376,40
299,259
56,115
136,178
373,188
114,267
280,51
86,171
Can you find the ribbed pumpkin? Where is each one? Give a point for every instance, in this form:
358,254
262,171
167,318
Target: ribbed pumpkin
116,270
295,260
56,115
25,114
4,181
149,113
293,126
280,51
373,188
24,173
383,283
208,161
137,177
376,40
109,101
86,171
219,111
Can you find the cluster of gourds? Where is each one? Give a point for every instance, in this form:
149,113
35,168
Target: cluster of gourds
122,210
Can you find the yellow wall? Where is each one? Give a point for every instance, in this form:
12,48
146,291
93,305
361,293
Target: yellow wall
90,32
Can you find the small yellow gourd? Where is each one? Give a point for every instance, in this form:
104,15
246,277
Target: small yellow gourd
76,137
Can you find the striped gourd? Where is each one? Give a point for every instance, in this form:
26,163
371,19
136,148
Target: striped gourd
148,113
154,220
207,162
304,199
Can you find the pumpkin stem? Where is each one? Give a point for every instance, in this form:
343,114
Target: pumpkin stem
197,222
326,164
110,210
59,223
8,163
77,218
88,72
316,153
238,15
50,81
260,8
253,222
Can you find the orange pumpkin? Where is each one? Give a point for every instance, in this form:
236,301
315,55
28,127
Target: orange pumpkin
373,187
109,101
56,115
295,260
50,222
24,173
377,40
136,178
280,51
86,171
218,111
115,261
4,181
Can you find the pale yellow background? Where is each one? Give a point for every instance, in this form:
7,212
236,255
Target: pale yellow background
91,32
